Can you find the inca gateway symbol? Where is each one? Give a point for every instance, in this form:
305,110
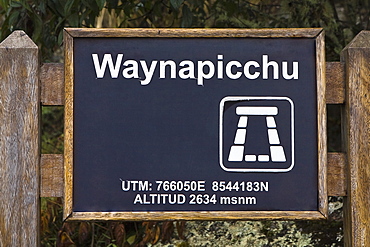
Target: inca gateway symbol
256,134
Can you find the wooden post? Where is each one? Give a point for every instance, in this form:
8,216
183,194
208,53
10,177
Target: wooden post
19,141
357,141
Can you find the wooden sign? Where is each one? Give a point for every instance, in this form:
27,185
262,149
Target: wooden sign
198,124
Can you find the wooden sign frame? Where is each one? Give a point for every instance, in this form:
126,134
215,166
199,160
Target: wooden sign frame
71,33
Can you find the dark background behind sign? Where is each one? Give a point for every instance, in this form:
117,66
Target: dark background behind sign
169,129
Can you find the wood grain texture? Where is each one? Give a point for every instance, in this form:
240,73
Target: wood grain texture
357,135
52,175
68,125
194,32
19,142
199,215
52,84
321,124
335,83
337,174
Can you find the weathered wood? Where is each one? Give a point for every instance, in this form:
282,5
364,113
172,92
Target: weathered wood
357,135
321,125
336,174
68,125
52,84
19,142
198,215
335,83
193,33
52,175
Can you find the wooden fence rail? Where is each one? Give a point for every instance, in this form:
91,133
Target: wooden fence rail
348,84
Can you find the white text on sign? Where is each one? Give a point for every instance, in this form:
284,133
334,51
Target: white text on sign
199,70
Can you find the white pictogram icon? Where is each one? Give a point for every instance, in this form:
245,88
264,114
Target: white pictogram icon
246,109
237,150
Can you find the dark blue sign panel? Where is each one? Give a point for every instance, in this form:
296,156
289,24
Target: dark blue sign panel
195,124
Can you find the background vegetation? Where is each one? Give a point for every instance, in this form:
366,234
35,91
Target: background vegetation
44,20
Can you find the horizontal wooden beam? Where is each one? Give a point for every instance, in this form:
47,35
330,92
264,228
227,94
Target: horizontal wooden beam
52,83
335,83
337,174
52,175
193,32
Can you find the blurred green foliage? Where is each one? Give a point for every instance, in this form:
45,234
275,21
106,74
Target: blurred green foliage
44,20
52,138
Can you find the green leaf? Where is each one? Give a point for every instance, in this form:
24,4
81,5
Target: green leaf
91,7
14,4
131,239
112,4
38,26
100,4
13,18
112,245
176,3
60,37
4,4
127,9
27,6
42,7
56,7
68,7
73,20
187,16
61,24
